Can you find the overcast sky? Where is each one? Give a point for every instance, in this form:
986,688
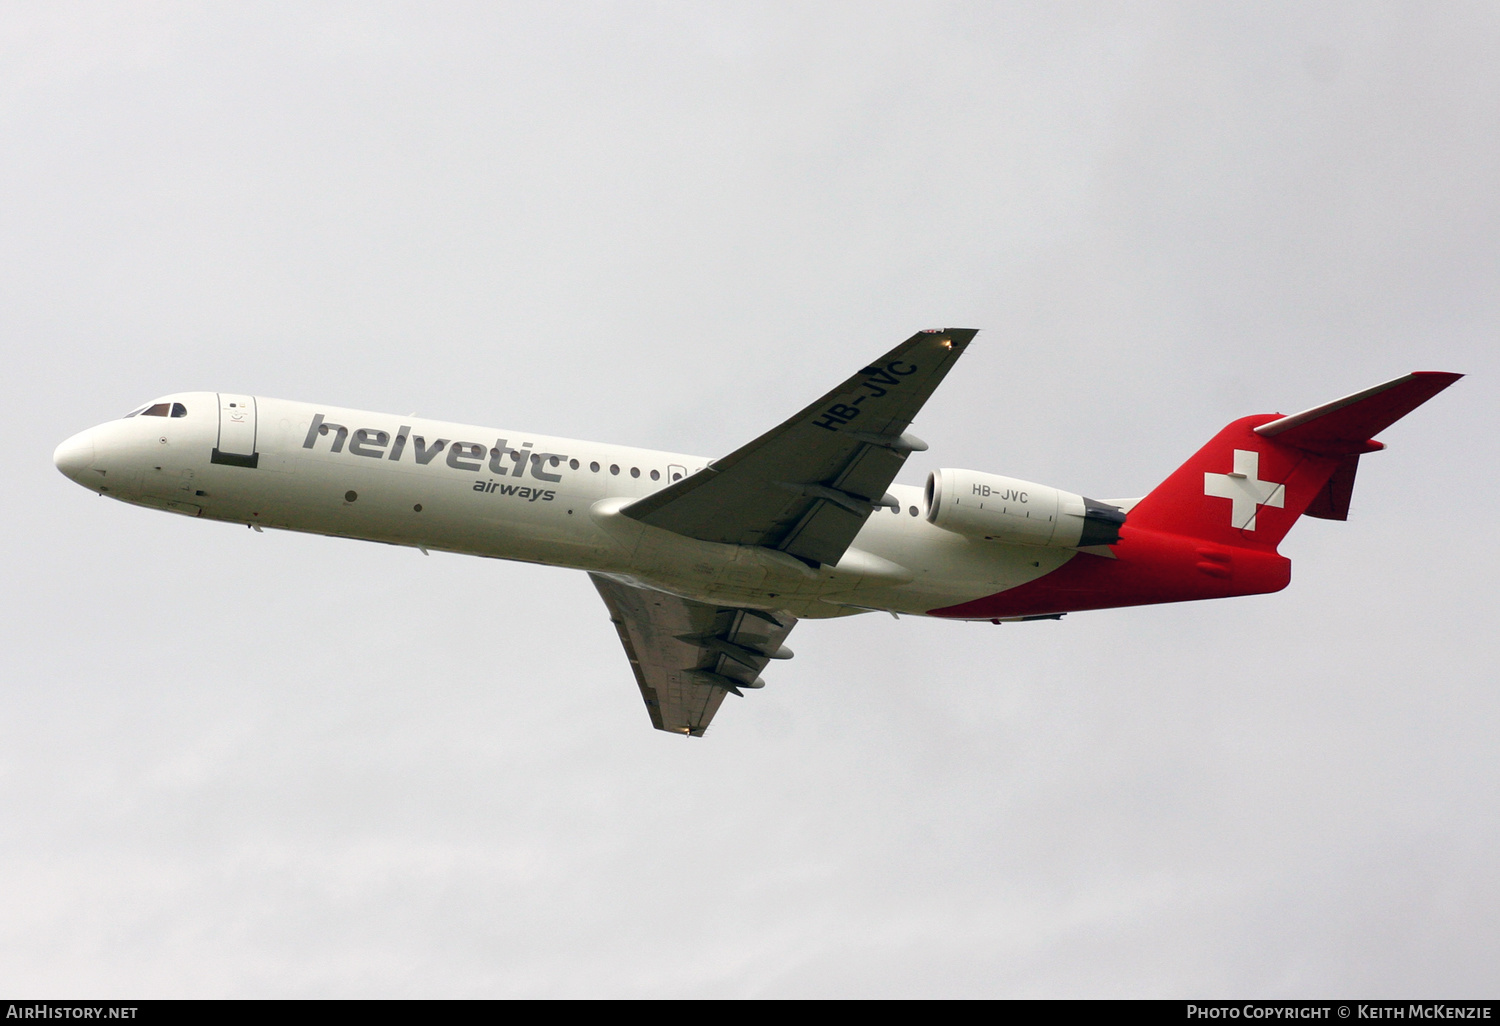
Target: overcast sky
240,764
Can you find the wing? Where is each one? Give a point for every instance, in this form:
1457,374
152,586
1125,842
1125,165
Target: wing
807,486
688,655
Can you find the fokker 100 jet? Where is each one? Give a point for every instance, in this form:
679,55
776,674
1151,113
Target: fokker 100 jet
705,565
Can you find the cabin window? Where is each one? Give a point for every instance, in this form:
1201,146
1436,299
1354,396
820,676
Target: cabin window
573,464
614,468
635,471
913,511
594,467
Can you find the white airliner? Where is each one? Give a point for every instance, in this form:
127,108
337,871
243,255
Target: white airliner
706,565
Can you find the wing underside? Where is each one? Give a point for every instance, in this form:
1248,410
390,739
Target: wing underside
688,655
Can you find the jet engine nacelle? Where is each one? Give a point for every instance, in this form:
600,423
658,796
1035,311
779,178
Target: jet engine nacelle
1004,509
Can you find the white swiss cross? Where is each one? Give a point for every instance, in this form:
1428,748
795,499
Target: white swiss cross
1243,487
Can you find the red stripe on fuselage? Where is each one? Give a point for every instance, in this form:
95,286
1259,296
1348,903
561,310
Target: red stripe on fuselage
1150,567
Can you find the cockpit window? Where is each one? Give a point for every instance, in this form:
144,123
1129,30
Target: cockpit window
158,410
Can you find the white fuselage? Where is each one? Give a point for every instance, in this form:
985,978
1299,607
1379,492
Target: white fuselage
511,495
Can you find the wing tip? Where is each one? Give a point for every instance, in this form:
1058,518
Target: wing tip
956,338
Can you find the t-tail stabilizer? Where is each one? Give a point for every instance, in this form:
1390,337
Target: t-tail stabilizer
1248,486
1346,428
1211,529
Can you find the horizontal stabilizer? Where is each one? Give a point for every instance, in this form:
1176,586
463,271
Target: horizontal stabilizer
1347,426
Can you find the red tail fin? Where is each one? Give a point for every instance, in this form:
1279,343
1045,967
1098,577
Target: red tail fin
1211,529
1248,486
1241,489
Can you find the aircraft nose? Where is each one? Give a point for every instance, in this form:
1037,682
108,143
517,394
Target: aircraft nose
75,455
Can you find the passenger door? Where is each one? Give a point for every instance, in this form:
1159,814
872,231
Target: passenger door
236,431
